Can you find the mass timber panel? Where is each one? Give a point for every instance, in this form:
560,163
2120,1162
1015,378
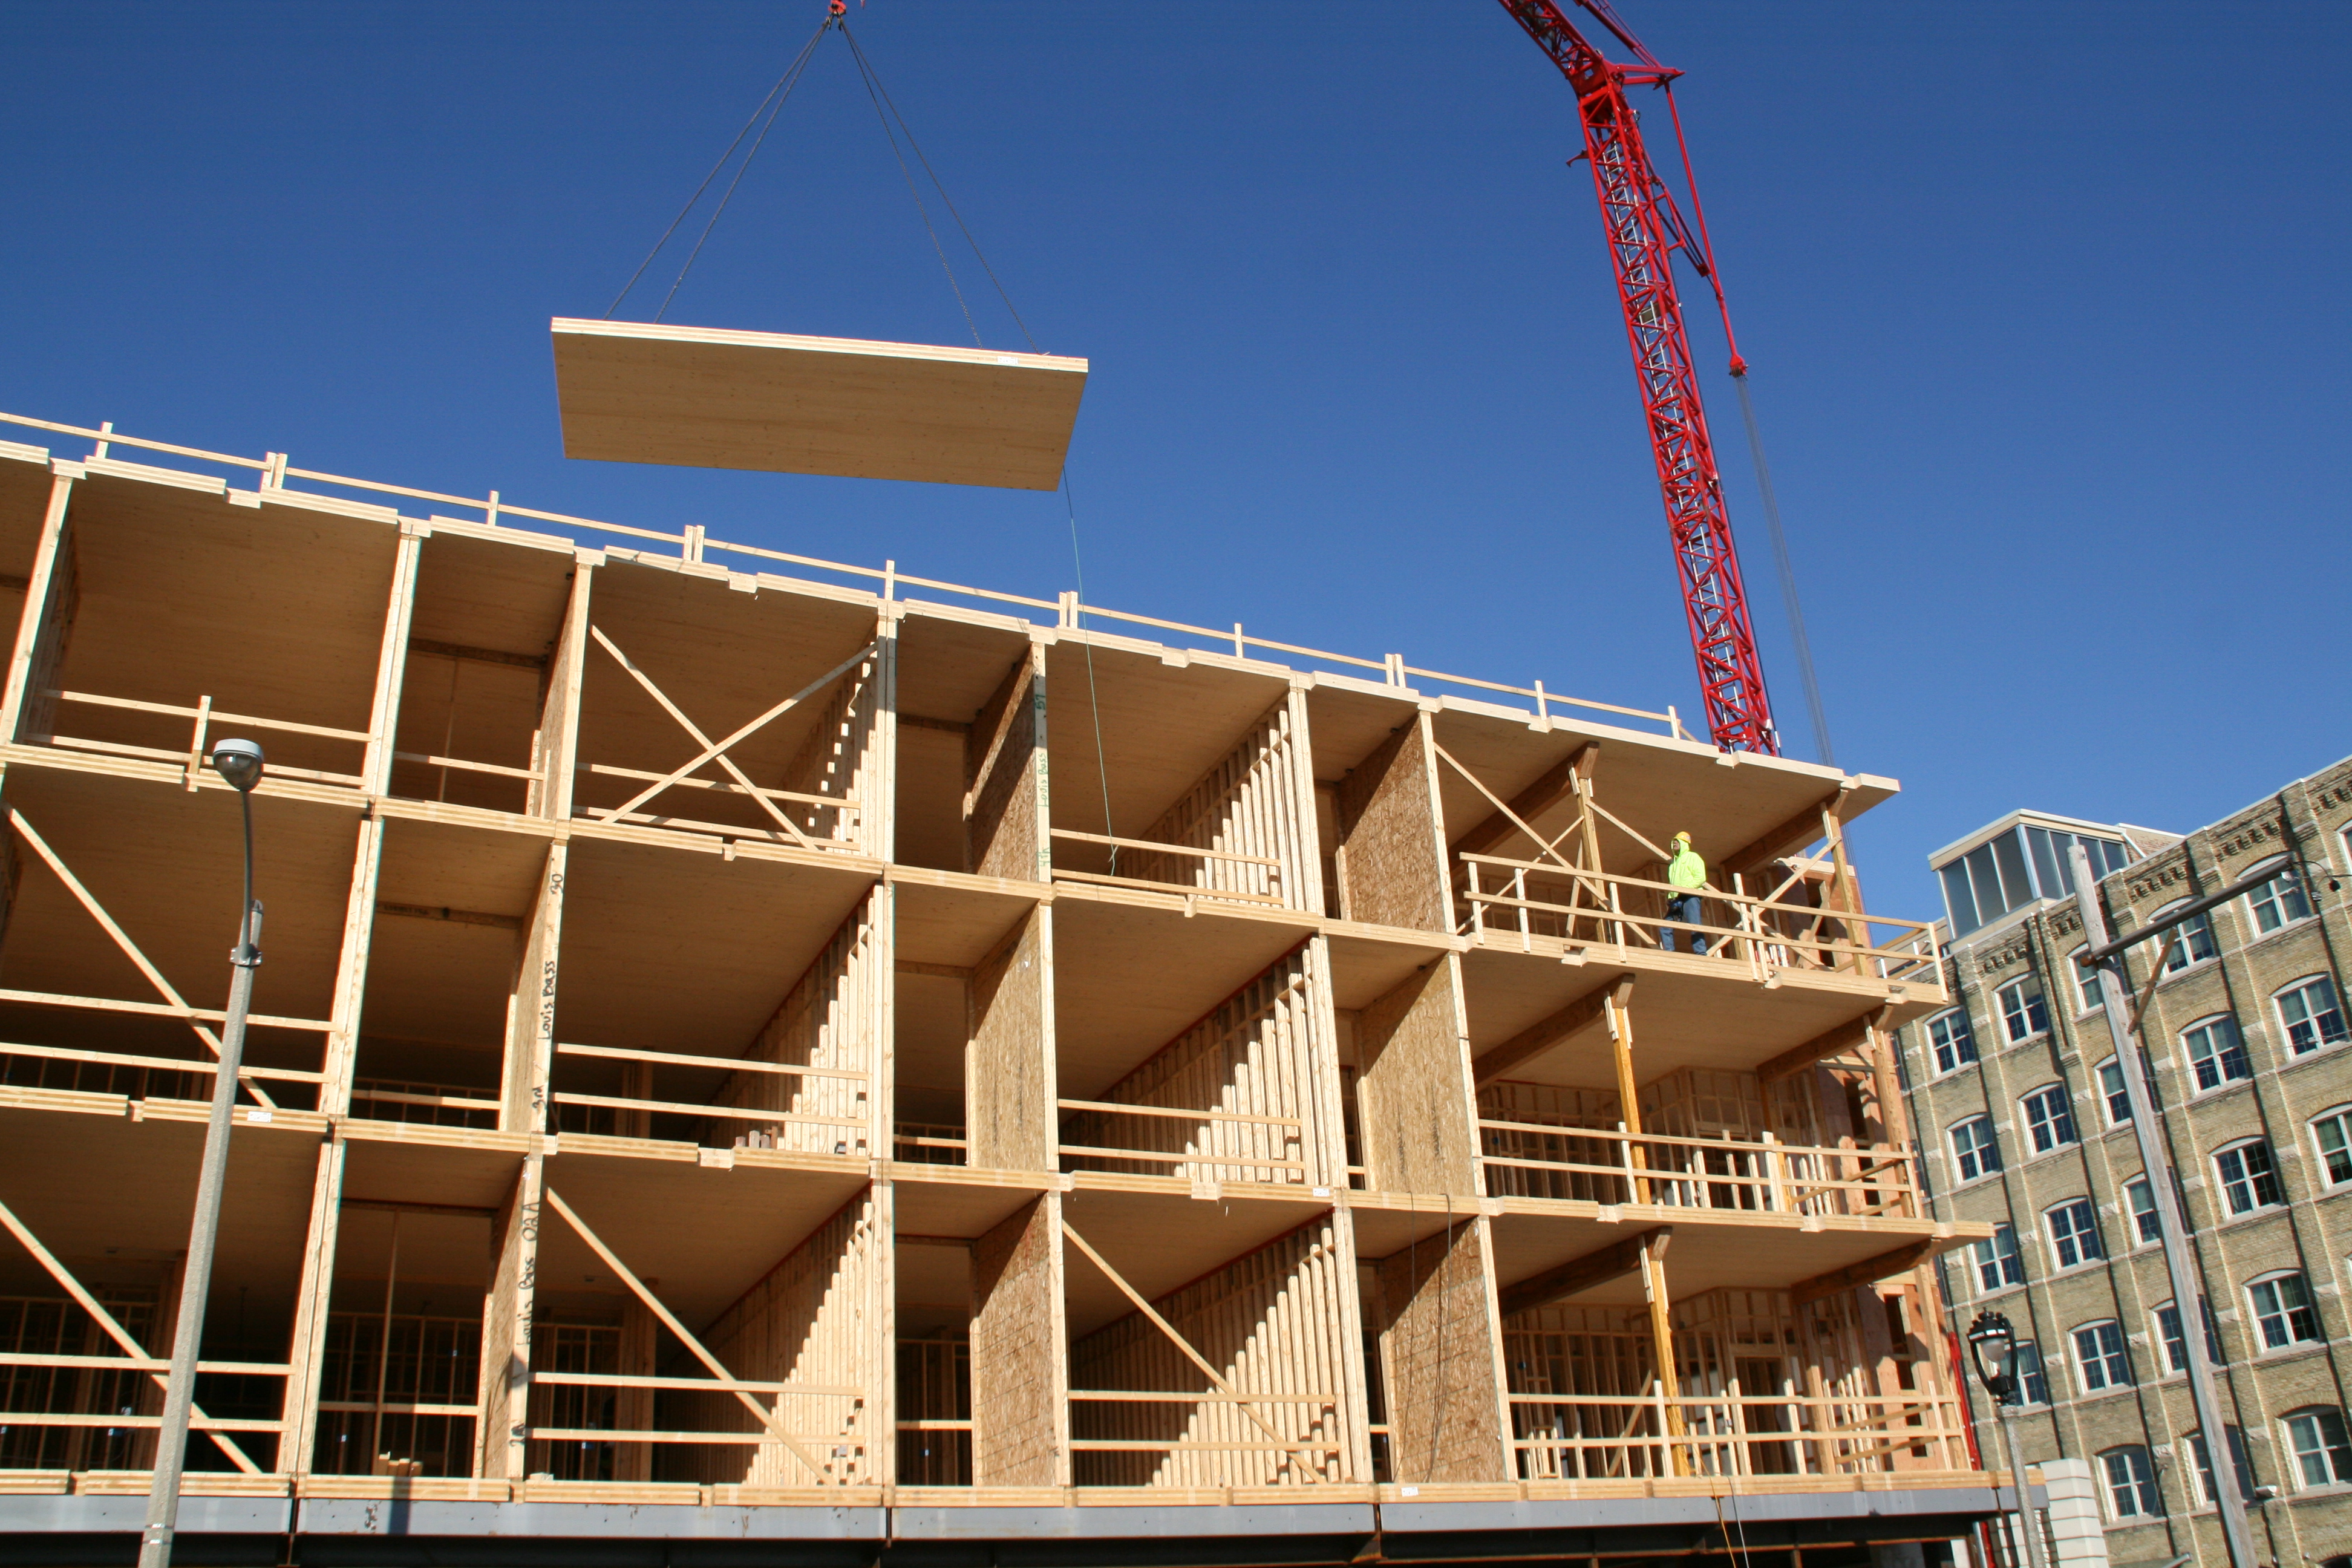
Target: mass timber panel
1247,817
1441,1357
45,612
1413,1083
1278,1409
1020,1384
502,1445
706,398
1391,848
1006,804
831,1020
1247,1070
809,1324
530,1011
1009,1065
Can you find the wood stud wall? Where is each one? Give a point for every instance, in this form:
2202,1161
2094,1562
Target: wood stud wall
1284,1324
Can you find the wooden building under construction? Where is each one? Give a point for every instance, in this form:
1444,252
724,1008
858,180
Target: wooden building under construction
760,1055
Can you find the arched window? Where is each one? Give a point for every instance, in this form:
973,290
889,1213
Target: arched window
2049,1118
2331,1132
2310,1015
2131,1483
2101,1359
2248,1176
2284,1314
2193,940
2281,901
1974,1151
2112,1094
2217,1055
2314,1435
2024,1012
2074,1230
1949,1038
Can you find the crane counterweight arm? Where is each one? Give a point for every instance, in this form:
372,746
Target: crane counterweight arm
1644,229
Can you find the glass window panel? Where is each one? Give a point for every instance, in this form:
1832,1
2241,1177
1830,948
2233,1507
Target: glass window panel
2016,886
2101,1357
2249,1177
2143,1207
2049,1118
2312,1016
2216,1054
2112,1091
1986,883
1974,1151
2321,1455
2034,1382
2053,875
2333,1133
1999,1263
2204,1463
2282,1310
2131,1483
1958,903
1954,1045
2073,1233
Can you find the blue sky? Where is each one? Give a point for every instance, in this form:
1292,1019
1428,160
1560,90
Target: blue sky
2045,306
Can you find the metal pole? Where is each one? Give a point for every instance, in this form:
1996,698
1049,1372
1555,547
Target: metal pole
2172,1234
179,1393
2028,1525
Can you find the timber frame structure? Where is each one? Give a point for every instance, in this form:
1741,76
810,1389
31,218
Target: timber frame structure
717,1072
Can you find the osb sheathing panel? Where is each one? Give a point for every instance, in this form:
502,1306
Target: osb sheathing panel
1270,1323
1441,1355
809,1320
1413,1085
1392,872
1009,1085
1020,1388
1005,774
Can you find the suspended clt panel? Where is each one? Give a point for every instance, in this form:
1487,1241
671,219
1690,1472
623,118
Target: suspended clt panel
704,397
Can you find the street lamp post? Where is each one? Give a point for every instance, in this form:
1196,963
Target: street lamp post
1993,1343
239,762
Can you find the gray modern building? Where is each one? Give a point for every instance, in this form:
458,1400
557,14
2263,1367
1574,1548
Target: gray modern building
2019,1101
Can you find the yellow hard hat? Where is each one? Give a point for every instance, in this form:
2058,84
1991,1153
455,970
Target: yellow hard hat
1681,838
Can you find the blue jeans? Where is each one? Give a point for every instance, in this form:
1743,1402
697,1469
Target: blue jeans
1682,907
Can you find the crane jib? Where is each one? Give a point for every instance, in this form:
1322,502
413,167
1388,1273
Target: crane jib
1643,230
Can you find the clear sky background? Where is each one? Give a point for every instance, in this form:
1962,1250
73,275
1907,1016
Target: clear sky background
2046,306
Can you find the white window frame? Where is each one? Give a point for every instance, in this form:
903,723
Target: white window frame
2182,957
2164,1342
2340,1116
2285,1314
2338,1460
2140,1484
2098,1242
1987,1255
1935,1048
2222,1078
2247,1178
2025,1009
2095,1369
1961,1157
2090,995
2107,1097
2131,1204
2029,1369
2062,1119
2269,893
2287,1028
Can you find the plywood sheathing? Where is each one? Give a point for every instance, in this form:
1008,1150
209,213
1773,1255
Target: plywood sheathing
1412,1081
1019,1384
636,392
1269,1322
1441,1357
1006,802
1009,1081
1391,866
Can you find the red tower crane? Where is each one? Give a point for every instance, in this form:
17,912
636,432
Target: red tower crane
1644,229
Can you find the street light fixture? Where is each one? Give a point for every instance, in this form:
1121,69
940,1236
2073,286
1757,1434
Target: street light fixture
1993,1343
240,763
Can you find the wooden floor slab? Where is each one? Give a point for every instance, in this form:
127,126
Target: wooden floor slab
706,398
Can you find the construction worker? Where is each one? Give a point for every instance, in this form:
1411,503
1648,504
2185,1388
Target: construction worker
1686,874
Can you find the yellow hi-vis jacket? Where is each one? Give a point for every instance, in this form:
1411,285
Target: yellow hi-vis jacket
1687,869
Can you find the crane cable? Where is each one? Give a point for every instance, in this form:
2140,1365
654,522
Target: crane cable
1704,260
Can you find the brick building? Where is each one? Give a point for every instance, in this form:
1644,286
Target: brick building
2020,1102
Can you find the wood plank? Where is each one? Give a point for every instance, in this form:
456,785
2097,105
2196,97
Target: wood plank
633,392
1557,1030
1829,1043
1869,1272
1614,1262
1556,785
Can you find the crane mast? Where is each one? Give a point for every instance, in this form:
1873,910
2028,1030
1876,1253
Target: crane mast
1645,229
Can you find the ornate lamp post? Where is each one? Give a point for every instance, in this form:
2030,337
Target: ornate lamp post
1993,1343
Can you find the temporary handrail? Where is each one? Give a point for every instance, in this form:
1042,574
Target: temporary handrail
691,544
1905,930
